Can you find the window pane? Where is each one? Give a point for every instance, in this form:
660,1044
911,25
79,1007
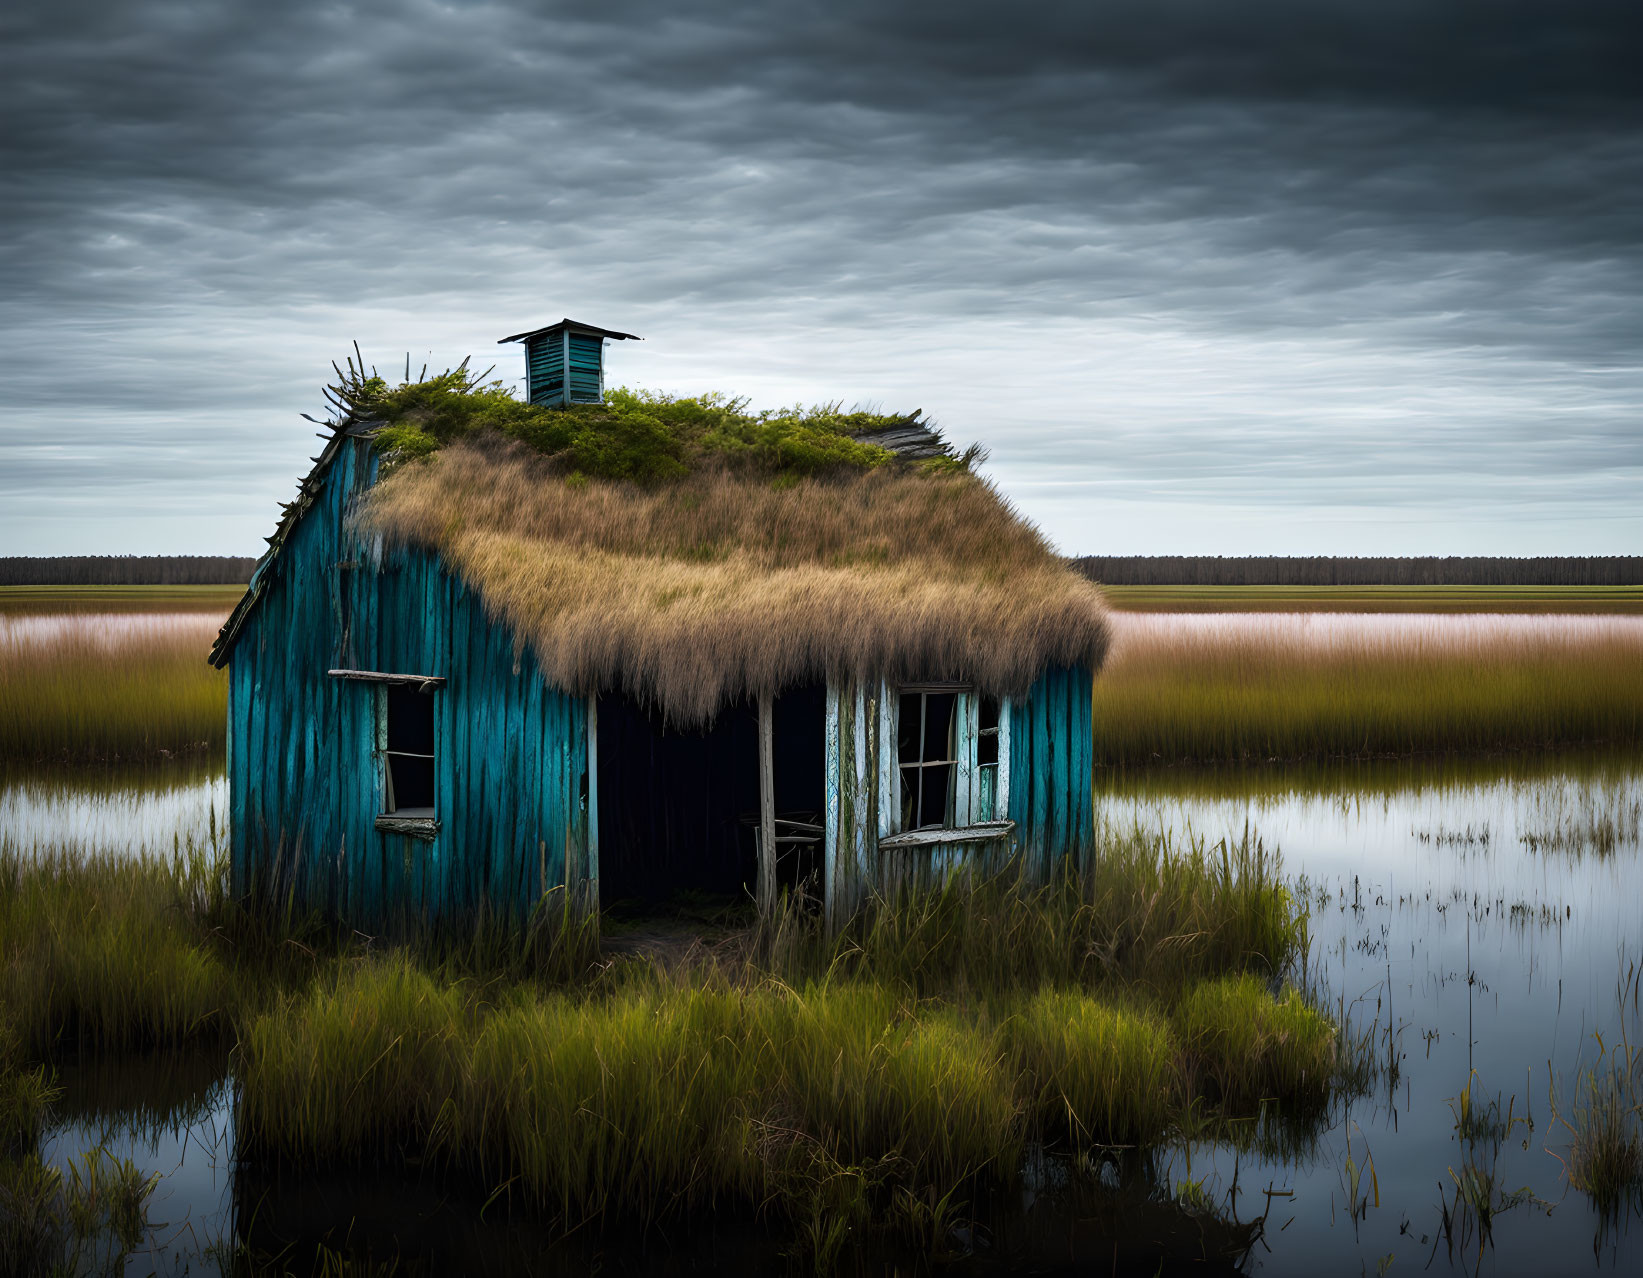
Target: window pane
987,742
933,787
986,806
413,783
410,720
912,706
938,725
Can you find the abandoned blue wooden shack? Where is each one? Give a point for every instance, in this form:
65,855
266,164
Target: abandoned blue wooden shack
460,684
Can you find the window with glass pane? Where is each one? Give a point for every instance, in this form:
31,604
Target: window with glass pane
926,754
410,752
986,791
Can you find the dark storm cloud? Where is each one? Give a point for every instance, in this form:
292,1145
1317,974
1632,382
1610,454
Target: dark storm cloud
1308,247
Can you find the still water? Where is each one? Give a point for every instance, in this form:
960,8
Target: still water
1480,925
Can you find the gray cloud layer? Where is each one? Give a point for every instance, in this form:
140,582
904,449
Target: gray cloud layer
1279,276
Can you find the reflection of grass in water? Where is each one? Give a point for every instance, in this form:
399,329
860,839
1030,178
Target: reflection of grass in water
1593,820
1371,779
1242,688
112,780
87,1222
100,687
1482,1123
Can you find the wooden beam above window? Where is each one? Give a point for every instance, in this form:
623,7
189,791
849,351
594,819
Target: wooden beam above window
423,683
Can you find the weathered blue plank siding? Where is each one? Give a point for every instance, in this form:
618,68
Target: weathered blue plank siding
1052,769
1047,791
305,774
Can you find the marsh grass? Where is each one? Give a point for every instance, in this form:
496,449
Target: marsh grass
1282,687
1251,1045
1606,1149
97,686
870,1081
1148,910
873,1078
834,1100
28,601
104,954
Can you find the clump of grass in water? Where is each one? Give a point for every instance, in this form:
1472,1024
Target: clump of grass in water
1145,911
104,954
869,1084
686,1088
1103,1075
1594,819
1605,1126
1606,1151
1250,1045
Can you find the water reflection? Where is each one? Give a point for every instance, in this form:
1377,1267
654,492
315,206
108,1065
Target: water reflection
1478,928
126,811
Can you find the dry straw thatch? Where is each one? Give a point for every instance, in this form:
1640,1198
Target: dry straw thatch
721,585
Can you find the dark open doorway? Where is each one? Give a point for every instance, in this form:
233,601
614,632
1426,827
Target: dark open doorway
679,810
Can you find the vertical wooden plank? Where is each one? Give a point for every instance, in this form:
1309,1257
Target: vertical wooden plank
966,722
1001,790
832,817
767,807
863,808
889,774
1081,729
593,803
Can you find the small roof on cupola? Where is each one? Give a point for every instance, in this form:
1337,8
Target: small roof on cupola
574,326
565,362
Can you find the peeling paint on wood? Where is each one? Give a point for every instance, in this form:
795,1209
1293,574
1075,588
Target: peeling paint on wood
306,776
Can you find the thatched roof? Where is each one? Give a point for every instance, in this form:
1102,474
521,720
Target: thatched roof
724,583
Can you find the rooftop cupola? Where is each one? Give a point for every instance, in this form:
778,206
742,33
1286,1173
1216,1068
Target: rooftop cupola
565,362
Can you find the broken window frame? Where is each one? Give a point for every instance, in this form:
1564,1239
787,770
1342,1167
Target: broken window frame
914,819
972,804
421,821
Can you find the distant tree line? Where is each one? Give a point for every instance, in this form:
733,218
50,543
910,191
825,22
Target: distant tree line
125,570
1324,570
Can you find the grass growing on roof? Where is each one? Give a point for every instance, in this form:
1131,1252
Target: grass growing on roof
633,435
724,584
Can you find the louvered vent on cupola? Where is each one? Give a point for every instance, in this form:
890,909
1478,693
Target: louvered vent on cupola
565,362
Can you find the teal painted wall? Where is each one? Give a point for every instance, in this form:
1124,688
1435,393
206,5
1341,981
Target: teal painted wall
305,779
1052,769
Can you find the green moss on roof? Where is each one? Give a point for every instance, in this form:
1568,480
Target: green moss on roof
634,435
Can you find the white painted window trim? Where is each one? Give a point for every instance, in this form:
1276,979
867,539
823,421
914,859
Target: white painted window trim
966,771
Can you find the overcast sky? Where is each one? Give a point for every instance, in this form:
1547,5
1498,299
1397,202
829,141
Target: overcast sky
1275,276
